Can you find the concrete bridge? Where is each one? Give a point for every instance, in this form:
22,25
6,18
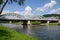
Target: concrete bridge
16,17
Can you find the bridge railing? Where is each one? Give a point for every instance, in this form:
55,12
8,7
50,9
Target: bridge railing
46,18
37,18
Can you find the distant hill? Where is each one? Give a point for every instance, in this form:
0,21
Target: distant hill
51,15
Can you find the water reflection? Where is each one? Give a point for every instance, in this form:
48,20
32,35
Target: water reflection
27,29
49,32
54,32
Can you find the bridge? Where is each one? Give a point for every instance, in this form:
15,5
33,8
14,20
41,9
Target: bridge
17,17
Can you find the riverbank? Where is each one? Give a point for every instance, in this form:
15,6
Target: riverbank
8,34
35,22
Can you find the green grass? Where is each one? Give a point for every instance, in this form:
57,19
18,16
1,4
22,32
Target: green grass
36,22
17,23
7,34
54,23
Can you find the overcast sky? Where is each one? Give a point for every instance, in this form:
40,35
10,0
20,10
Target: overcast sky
34,7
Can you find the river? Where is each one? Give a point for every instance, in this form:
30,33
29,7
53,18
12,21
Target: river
46,32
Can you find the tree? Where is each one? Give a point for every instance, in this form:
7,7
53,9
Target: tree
4,2
51,15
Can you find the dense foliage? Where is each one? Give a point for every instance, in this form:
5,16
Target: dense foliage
50,15
4,2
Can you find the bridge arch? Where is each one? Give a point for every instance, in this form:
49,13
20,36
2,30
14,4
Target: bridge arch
12,16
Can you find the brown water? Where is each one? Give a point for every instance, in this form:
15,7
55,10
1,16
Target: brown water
50,32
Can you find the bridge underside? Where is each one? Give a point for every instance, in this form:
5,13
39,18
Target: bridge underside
28,21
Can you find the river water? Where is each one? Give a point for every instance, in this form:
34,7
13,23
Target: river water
46,32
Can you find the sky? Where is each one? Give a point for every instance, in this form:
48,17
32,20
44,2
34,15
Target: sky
34,7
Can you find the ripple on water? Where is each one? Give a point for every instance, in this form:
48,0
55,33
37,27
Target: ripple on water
50,32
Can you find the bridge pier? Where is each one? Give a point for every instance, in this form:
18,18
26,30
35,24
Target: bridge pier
26,22
45,22
48,22
10,21
59,21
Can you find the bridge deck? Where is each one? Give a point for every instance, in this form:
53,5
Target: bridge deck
29,19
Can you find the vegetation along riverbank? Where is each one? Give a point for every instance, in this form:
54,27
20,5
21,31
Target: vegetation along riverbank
8,34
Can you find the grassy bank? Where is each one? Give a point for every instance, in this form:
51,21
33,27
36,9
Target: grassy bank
54,23
7,34
35,22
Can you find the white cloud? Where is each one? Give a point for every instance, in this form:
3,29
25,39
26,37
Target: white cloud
28,11
28,8
18,12
47,6
54,11
5,11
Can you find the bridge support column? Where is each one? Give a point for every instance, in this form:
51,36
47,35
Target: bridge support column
48,22
26,22
10,21
59,21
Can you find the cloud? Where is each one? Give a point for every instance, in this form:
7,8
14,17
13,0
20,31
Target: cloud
47,6
54,11
18,12
5,11
28,10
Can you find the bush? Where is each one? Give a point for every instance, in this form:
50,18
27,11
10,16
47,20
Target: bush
7,34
